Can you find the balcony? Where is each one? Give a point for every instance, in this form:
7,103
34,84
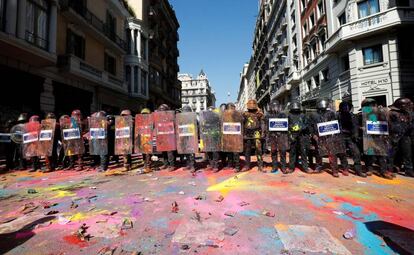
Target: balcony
92,24
294,78
74,65
280,91
377,23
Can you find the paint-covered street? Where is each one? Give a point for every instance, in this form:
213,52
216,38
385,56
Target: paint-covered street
116,212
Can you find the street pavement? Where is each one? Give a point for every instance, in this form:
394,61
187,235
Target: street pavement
117,212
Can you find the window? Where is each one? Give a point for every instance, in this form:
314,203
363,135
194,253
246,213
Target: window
143,82
368,7
322,40
2,14
135,80
372,54
110,64
342,19
111,25
345,63
75,44
316,80
314,50
303,5
311,20
309,85
143,47
37,23
321,9
325,75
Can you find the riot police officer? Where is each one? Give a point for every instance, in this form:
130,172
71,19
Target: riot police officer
17,137
376,144
298,132
253,134
400,127
350,133
329,144
277,135
168,156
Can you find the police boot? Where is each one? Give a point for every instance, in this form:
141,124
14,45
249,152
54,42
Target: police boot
335,173
358,170
345,172
409,172
274,165
387,175
260,167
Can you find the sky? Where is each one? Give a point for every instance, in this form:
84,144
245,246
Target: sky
216,36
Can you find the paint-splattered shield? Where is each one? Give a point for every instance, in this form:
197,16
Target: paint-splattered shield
164,130
187,132
16,133
31,139
46,137
98,136
232,131
277,126
71,136
123,135
210,131
329,142
375,135
144,126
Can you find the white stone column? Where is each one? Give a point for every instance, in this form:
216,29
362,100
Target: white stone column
132,78
11,17
53,27
132,42
139,44
21,24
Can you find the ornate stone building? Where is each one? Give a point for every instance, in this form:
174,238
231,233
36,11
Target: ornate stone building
197,92
342,50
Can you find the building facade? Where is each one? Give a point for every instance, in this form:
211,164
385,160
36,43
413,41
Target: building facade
243,95
197,92
59,55
341,50
163,53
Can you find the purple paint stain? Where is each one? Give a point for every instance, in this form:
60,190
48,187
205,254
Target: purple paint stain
136,212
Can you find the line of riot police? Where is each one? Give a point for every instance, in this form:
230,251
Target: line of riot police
376,135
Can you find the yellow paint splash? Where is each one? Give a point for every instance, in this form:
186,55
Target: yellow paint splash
238,184
64,193
281,227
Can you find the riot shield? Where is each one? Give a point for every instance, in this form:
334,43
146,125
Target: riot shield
232,131
330,141
164,130
98,137
46,137
375,135
210,131
123,135
31,139
187,132
71,136
16,133
144,126
277,126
